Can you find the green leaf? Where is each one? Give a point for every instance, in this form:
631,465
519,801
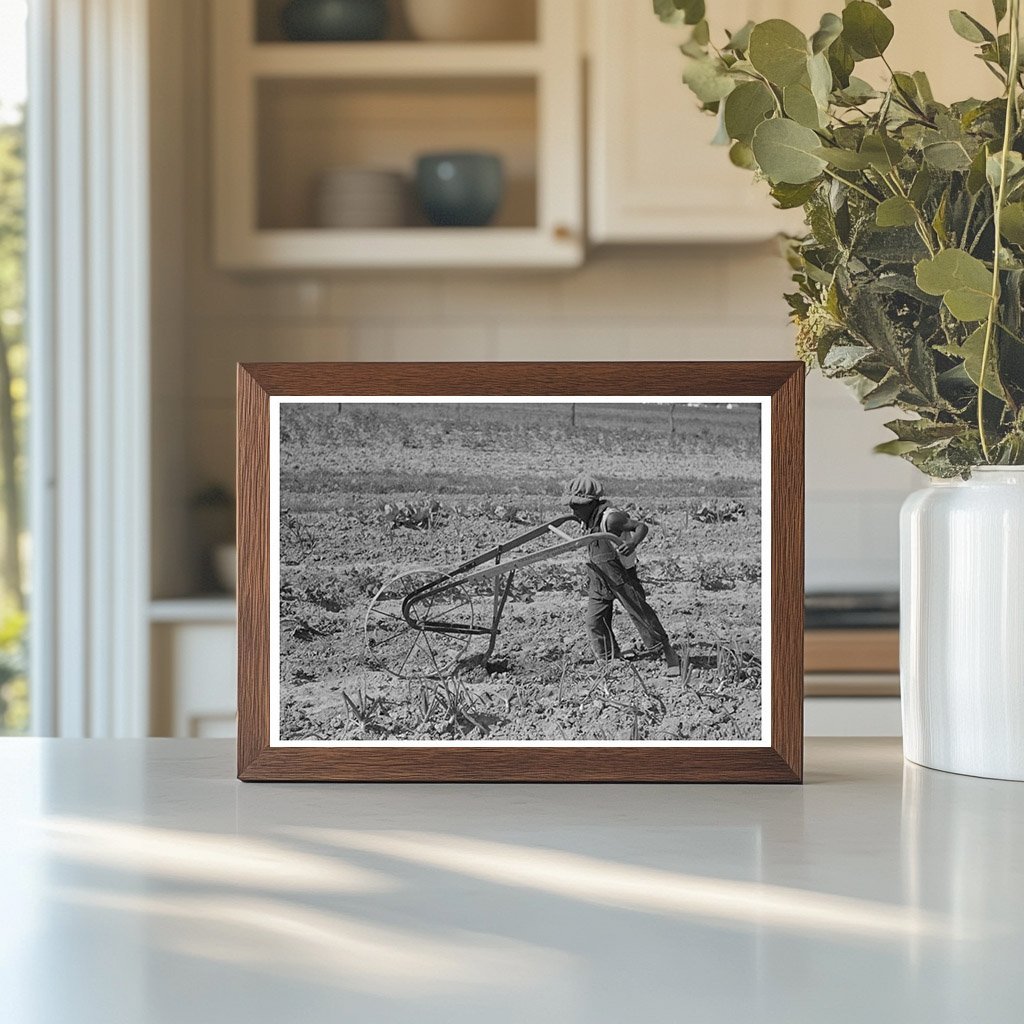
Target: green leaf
997,53
896,447
969,28
923,431
739,41
676,12
694,49
858,91
708,80
778,50
921,185
844,159
1012,226
906,89
963,281
695,11
947,156
885,394
830,29
841,60
939,220
789,197
976,174
667,11
924,87
883,153
746,107
896,212
999,6
866,29
921,369
1014,169
971,352
741,155
820,75
785,152
800,105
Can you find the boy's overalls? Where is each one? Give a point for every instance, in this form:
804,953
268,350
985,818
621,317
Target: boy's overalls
610,577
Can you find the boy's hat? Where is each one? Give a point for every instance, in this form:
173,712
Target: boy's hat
585,488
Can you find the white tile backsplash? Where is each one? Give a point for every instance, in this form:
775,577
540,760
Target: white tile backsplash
714,303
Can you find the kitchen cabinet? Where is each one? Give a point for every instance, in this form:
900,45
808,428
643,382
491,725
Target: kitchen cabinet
653,175
193,653
287,113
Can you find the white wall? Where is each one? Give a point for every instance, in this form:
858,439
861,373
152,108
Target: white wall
665,303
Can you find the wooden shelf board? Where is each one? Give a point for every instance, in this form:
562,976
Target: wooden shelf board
393,60
402,247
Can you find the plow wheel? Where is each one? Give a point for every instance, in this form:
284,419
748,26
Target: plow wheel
411,651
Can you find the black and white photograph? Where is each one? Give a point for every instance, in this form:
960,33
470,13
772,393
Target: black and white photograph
465,571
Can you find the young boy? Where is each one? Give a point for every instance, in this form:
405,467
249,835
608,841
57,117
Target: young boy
612,573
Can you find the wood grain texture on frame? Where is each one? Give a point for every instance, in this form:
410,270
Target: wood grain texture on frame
782,761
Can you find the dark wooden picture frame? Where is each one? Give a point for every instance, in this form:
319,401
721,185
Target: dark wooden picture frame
779,761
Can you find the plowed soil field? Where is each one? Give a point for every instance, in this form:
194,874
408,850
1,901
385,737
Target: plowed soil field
369,492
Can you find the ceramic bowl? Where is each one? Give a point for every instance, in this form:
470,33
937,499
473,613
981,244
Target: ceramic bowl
334,20
460,189
470,20
358,197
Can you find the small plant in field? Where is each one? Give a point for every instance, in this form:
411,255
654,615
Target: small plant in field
712,575
423,516
909,281
296,534
719,511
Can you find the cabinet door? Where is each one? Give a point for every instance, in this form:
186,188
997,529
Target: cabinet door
654,176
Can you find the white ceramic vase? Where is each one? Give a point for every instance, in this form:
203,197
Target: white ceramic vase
962,624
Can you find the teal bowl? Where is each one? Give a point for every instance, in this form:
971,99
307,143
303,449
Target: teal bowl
334,21
460,190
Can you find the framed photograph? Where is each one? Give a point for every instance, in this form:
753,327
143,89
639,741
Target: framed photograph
520,572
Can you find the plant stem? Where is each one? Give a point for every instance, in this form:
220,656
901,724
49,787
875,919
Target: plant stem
856,188
922,225
993,309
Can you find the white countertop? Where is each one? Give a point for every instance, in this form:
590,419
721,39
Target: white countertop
143,885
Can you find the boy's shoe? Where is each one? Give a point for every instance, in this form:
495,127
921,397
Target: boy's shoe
645,653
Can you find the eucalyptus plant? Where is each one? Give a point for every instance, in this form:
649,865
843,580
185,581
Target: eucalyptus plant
910,278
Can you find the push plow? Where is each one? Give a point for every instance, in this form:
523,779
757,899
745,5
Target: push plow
428,622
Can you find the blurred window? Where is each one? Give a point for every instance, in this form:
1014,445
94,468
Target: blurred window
14,546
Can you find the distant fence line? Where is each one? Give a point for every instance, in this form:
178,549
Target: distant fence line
660,417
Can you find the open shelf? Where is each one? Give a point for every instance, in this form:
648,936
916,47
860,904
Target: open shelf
306,128
286,114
